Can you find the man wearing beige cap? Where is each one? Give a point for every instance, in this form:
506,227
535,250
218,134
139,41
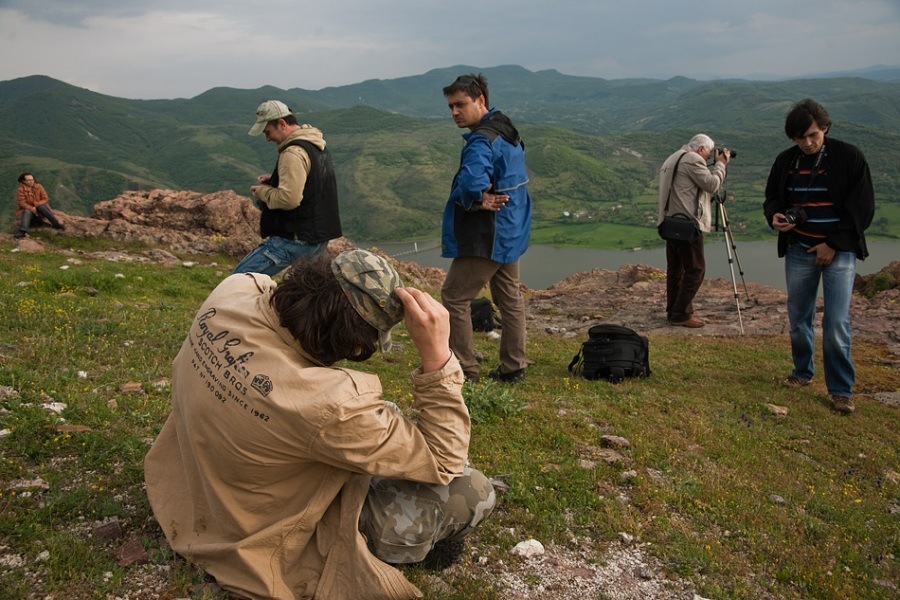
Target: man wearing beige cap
299,201
285,476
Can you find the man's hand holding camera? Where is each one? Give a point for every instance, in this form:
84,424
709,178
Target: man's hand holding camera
794,216
723,155
261,181
789,219
780,223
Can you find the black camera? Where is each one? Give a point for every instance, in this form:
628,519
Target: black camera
794,215
732,152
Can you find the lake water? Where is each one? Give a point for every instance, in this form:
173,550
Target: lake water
542,266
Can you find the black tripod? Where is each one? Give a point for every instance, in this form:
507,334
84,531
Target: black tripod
722,224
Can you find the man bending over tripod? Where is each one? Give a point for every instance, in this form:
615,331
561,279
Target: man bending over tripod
685,185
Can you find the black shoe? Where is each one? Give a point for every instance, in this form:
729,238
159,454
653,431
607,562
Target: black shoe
443,554
20,234
472,376
517,376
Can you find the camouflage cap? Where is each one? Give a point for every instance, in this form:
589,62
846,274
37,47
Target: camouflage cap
369,282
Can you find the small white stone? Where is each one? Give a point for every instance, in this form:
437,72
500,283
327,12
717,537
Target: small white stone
56,407
528,549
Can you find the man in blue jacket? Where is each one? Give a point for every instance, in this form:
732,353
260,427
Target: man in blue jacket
486,227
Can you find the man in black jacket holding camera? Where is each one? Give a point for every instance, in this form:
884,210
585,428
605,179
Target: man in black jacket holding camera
819,198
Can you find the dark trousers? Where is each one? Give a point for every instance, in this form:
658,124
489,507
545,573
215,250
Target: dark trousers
43,212
685,268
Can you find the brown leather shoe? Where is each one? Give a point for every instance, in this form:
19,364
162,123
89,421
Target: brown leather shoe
792,381
842,404
692,322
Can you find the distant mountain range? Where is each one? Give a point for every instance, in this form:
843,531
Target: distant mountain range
593,145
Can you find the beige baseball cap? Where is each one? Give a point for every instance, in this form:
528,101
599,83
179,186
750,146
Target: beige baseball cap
270,110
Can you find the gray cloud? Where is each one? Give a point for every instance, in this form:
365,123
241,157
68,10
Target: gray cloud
173,48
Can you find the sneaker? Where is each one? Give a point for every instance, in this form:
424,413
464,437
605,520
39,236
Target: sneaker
517,376
472,376
842,404
443,554
792,381
692,322
20,235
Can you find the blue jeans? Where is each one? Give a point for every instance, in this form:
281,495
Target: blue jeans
802,277
275,254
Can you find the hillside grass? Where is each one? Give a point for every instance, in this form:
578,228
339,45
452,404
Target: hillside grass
738,501
591,146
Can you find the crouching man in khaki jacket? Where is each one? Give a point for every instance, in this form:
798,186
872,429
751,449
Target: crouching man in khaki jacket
285,476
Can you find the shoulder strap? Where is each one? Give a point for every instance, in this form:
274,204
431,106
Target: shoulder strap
674,172
575,365
671,185
306,145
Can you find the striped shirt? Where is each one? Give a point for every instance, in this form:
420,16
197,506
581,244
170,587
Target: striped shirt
808,190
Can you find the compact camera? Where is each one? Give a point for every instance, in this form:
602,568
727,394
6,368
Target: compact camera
794,215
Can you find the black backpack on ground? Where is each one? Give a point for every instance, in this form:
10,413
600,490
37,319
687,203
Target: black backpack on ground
484,316
612,352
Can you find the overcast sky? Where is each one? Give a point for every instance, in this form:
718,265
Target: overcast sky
181,48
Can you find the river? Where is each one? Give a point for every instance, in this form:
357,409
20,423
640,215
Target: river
542,266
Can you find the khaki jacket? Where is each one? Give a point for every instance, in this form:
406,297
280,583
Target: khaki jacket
691,189
260,472
293,169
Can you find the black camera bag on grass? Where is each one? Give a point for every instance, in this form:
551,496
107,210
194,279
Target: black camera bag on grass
612,352
484,315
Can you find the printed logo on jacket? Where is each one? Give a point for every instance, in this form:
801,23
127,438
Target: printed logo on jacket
221,364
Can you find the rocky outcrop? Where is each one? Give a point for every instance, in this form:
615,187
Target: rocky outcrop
178,221
635,296
195,223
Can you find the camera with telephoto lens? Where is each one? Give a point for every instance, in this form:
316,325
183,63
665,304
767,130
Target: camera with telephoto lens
794,215
732,152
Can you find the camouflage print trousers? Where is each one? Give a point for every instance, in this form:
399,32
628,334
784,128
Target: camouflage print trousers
402,520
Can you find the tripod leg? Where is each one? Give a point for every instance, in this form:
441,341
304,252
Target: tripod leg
730,235
737,260
728,248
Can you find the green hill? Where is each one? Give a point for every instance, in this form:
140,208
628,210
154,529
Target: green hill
593,145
